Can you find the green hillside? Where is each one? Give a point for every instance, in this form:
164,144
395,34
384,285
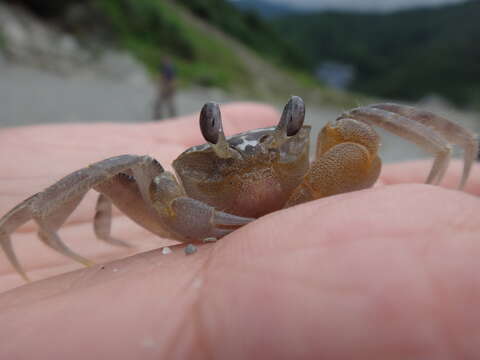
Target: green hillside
202,36
407,54
248,28
151,29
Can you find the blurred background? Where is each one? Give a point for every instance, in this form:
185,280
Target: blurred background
123,60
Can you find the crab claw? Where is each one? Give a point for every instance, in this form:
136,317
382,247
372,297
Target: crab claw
191,219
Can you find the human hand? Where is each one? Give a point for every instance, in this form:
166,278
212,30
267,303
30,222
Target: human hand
388,272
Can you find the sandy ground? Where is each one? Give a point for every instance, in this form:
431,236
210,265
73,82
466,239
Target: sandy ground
32,96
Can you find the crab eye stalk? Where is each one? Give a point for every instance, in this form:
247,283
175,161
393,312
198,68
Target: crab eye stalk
297,115
211,122
292,117
212,130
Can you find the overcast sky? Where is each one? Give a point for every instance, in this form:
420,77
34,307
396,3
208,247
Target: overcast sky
380,5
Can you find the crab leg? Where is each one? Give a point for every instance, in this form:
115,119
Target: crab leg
424,129
16,217
51,207
123,191
451,131
102,222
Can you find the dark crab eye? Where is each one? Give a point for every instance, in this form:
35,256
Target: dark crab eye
293,116
297,115
211,122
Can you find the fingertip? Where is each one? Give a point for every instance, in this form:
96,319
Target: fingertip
318,274
417,172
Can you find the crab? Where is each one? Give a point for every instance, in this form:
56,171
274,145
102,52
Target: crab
228,182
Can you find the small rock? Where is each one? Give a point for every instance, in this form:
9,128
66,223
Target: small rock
190,249
166,250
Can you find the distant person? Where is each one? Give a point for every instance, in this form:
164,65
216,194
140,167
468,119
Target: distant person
166,86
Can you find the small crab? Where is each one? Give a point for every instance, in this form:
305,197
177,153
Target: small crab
228,182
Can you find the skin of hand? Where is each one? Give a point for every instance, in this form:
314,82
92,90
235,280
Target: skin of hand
385,273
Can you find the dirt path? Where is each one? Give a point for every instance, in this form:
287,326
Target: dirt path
32,96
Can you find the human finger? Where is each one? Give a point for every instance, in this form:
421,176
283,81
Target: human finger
380,273
417,171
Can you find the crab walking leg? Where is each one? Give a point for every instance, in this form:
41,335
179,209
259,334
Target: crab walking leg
102,222
451,131
48,225
346,161
409,129
16,217
187,218
123,191
51,207
50,221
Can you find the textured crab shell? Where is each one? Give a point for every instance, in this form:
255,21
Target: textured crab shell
259,181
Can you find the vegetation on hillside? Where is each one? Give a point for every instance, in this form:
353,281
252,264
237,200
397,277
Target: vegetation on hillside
247,27
407,54
151,29
265,8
